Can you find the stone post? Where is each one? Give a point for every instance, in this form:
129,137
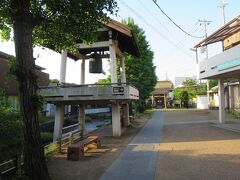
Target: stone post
221,101
82,75
126,120
116,123
58,124
122,70
63,66
81,117
113,63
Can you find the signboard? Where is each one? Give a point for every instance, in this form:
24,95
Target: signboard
229,64
118,90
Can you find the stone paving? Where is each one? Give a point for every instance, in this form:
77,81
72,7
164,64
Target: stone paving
180,145
138,160
197,149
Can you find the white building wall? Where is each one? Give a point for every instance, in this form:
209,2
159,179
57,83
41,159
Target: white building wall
202,102
213,66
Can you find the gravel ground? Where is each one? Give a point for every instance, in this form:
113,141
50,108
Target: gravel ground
197,151
95,161
187,151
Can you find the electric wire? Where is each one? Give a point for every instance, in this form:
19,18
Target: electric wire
156,30
166,28
155,2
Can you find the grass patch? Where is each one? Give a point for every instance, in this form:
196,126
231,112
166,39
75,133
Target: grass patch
235,114
50,148
148,112
175,109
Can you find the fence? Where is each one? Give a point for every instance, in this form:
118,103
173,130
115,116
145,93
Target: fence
11,166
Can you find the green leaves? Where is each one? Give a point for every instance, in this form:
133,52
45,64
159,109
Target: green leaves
10,134
58,24
66,23
190,82
140,71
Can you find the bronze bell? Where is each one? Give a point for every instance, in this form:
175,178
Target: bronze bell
95,63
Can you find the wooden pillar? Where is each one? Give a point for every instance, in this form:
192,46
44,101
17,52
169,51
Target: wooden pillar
165,101
126,120
153,103
221,101
82,75
116,123
63,66
58,124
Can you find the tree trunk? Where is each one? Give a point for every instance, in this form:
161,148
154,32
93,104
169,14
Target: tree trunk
34,160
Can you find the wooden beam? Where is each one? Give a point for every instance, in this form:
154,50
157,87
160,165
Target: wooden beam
119,52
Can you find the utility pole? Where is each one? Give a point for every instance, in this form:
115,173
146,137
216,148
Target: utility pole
222,6
167,77
205,23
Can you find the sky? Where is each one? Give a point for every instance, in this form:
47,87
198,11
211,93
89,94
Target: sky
171,47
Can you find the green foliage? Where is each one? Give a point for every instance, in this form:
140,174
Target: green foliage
149,112
190,82
10,134
202,90
46,137
43,119
104,81
53,81
99,116
212,83
50,148
180,93
4,89
58,24
184,96
88,118
140,72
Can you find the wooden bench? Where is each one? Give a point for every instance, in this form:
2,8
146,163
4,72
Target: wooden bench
77,150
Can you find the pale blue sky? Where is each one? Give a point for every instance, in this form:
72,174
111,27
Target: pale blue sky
169,44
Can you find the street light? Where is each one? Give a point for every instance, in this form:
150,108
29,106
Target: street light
196,52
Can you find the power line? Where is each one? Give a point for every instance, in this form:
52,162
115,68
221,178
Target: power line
162,24
155,2
155,29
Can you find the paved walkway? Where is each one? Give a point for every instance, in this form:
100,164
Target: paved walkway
138,160
192,148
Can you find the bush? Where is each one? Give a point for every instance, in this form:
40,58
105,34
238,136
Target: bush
98,116
43,119
10,134
46,137
88,118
